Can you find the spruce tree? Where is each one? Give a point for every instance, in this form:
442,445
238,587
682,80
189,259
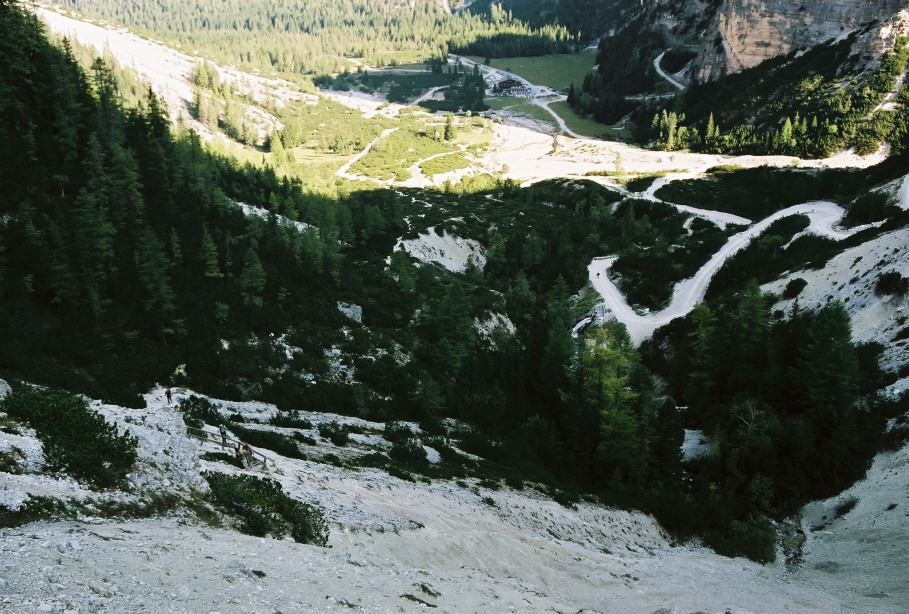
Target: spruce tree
208,254
830,368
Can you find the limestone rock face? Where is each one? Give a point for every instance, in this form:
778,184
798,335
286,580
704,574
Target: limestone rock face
744,33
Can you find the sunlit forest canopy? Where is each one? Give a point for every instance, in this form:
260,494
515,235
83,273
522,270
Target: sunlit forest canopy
318,36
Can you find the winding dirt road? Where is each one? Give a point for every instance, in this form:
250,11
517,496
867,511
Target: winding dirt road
344,171
656,64
823,215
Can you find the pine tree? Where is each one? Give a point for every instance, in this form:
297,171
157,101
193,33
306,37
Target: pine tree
711,129
702,349
153,269
252,279
278,156
208,254
449,133
175,251
829,367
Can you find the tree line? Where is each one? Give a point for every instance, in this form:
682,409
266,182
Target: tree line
316,37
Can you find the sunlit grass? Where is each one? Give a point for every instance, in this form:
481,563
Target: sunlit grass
587,126
520,105
444,164
555,71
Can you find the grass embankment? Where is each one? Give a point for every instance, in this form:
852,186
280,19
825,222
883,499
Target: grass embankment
401,87
390,157
557,71
587,126
445,164
522,106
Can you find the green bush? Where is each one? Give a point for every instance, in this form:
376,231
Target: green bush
409,452
276,442
336,433
753,538
35,508
794,288
198,411
891,283
76,438
264,508
221,457
396,431
289,419
303,438
868,208
845,507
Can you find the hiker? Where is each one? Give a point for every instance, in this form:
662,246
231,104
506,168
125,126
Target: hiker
238,452
223,432
168,394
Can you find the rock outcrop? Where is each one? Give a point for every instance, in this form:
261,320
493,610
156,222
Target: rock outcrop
744,33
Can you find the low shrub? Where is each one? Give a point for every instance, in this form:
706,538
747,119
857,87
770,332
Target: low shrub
276,442
9,461
334,432
409,452
868,208
221,457
794,288
198,411
33,509
304,438
396,472
373,459
264,508
565,498
489,483
290,420
396,431
76,438
754,539
891,283
845,507
334,460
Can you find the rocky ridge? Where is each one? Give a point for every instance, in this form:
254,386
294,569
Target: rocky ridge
730,35
744,33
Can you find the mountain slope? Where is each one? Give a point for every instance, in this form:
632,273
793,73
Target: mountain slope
401,545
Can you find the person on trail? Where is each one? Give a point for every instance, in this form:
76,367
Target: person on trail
223,432
238,452
168,394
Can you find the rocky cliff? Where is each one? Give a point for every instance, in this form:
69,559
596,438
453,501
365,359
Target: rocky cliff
744,33
730,35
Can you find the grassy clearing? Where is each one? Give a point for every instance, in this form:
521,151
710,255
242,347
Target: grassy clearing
524,107
402,87
391,157
586,126
444,164
555,71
